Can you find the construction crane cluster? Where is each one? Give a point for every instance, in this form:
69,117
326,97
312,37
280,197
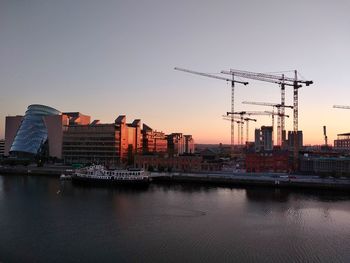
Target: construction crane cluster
240,122
282,81
232,81
280,115
242,114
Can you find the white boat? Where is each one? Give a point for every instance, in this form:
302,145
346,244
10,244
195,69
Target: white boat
66,177
97,174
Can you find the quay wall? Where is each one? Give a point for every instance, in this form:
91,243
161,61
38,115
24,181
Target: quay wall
241,180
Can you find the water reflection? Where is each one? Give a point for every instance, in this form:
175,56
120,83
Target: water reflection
267,194
54,221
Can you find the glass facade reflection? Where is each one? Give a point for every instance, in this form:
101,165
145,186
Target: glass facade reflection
32,133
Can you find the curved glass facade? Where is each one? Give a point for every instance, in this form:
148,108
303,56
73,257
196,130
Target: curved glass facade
32,133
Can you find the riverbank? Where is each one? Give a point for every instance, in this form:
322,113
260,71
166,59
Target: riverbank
49,170
276,180
250,179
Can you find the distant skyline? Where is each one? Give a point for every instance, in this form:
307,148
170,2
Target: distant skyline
106,58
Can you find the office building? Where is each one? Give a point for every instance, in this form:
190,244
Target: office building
189,144
110,144
31,136
70,136
39,132
175,144
153,141
263,139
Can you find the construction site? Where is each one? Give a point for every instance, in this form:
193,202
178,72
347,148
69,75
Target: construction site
273,148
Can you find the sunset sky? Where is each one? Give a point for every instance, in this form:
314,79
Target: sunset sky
105,58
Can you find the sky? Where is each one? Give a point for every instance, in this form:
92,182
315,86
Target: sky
108,57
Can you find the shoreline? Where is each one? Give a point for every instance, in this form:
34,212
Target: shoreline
275,180
257,180
34,170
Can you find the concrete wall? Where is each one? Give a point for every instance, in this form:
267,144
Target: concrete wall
12,124
55,125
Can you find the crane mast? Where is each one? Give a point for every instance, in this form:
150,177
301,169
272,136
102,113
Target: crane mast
283,81
280,114
238,121
232,81
250,113
247,120
325,136
281,136
295,120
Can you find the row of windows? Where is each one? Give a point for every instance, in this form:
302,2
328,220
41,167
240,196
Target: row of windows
90,138
91,154
87,144
118,173
91,149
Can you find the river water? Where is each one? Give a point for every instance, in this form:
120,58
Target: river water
45,220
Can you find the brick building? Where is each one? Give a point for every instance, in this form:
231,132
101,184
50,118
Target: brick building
184,163
268,162
176,163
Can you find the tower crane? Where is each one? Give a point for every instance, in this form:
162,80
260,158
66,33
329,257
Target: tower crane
341,107
283,81
246,120
239,126
325,136
255,113
232,81
239,132
279,107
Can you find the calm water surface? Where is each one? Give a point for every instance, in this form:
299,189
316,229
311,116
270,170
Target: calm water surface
45,220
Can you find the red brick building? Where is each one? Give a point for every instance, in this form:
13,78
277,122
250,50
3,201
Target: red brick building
182,163
268,162
177,163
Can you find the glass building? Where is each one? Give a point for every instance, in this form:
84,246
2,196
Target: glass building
32,133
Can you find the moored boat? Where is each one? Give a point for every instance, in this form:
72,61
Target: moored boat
64,177
98,174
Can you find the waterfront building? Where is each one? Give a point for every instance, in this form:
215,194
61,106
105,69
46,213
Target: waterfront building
93,143
110,144
175,144
39,132
135,136
57,124
342,142
189,144
182,163
70,136
180,144
153,141
271,161
320,165
32,135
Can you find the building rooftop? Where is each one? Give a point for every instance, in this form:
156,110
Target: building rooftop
344,134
